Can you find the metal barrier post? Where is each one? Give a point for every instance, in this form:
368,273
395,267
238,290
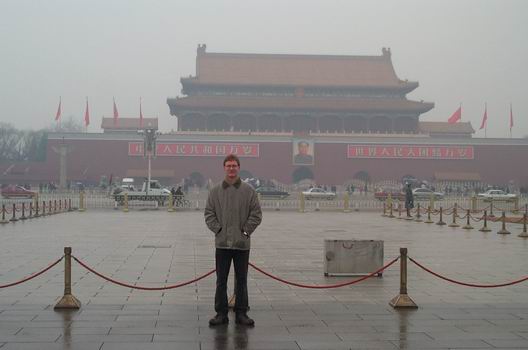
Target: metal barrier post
474,203
418,215
13,218
468,226
301,202
69,205
4,221
454,223
30,210
441,219
524,233
171,203
503,230
399,211
429,221
432,201
125,203
81,201
515,205
485,228
391,214
402,300
68,301
36,200
23,216
491,209
50,208
44,208
36,210
346,204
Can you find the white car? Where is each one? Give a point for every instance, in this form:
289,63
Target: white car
318,193
497,194
425,193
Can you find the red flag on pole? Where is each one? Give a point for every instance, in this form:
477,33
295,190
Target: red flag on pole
484,118
116,113
140,114
59,110
456,116
87,114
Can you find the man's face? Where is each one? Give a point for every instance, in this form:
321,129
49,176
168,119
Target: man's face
231,169
303,148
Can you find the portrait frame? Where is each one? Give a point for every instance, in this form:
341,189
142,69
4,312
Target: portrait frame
303,152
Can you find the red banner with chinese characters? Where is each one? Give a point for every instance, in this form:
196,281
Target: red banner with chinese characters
411,151
180,149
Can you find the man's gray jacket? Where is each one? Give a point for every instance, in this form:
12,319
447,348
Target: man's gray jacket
231,211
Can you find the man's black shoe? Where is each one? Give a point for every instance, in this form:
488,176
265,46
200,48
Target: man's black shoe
244,320
218,320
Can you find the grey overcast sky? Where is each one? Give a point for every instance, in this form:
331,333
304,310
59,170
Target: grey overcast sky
460,51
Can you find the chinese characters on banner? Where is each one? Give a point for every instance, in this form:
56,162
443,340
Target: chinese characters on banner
411,151
170,149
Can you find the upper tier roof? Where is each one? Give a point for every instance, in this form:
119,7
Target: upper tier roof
296,70
267,103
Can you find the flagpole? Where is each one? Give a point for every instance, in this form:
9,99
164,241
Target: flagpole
59,112
486,125
511,120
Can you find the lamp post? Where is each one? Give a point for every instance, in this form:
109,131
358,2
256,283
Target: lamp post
149,150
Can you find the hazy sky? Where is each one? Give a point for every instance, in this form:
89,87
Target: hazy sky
460,51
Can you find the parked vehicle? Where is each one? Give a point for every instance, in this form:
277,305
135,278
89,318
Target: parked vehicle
271,192
496,195
15,191
383,193
318,193
425,193
149,192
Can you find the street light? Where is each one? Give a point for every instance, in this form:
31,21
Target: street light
149,150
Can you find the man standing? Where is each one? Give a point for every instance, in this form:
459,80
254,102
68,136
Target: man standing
232,213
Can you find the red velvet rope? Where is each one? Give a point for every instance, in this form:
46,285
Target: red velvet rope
324,286
468,284
32,276
139,287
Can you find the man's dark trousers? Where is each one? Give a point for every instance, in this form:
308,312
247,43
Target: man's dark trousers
240,259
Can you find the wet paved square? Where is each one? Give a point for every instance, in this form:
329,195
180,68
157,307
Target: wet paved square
155,248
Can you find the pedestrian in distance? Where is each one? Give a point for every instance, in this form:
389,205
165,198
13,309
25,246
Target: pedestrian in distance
232,213
409,199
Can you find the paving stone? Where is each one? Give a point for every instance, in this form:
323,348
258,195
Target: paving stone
287,244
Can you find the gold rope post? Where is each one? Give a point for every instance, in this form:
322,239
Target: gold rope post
468,226
81,201
68,301
402,300
485,228
454,223
441,219
503,230
171,203
524,233
418,214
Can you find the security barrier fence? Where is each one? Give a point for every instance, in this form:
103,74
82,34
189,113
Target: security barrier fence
295,202
401,300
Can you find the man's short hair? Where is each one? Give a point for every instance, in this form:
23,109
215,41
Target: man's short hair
231,157
301,143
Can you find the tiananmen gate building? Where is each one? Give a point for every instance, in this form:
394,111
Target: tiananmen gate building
330,119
